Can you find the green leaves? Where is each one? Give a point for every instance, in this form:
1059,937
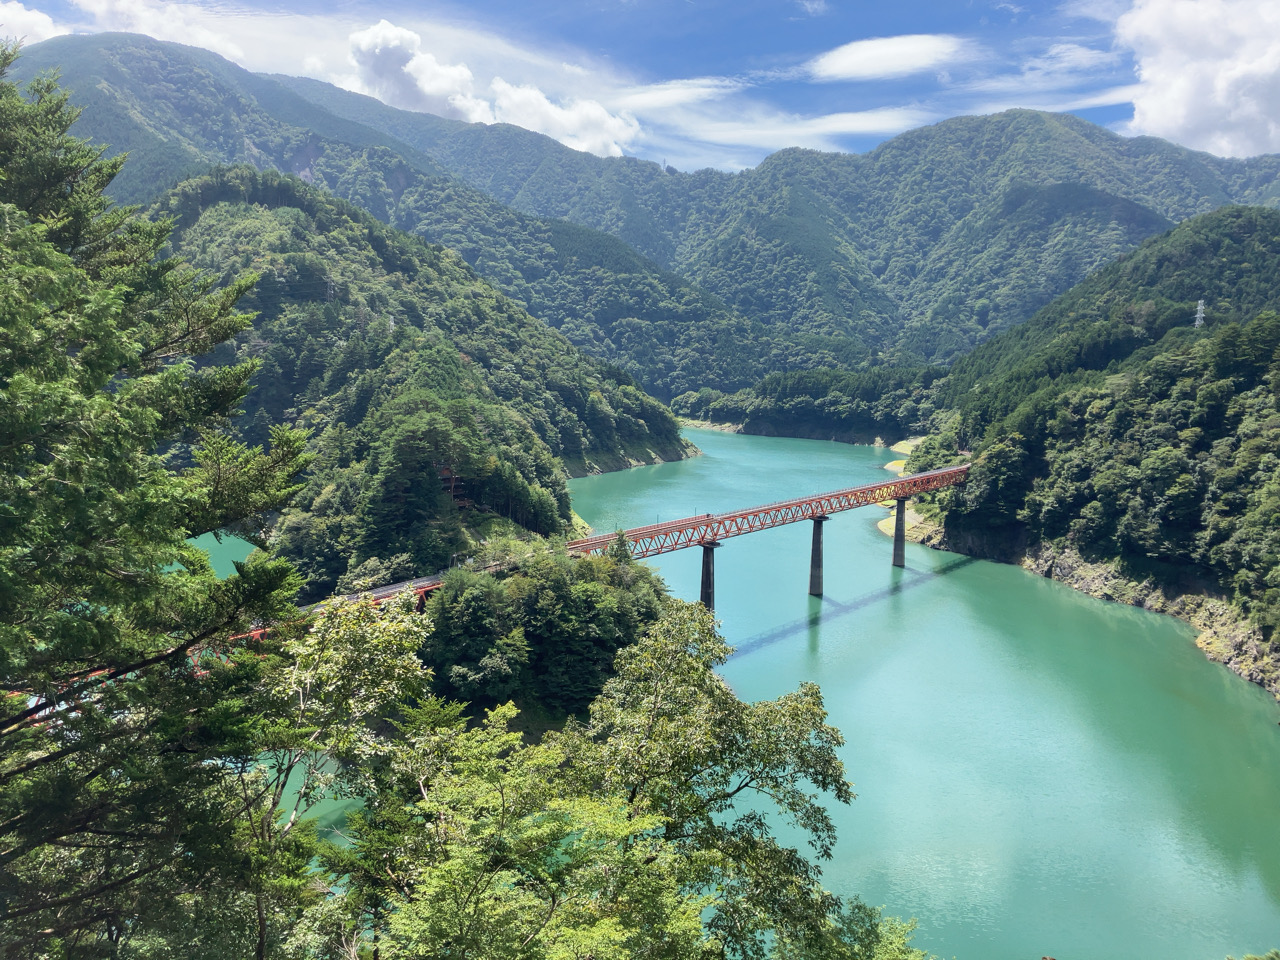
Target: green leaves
669,736
640,834
110,747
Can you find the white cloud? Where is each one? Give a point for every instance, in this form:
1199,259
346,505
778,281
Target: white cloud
581,124
888,57
1063,102
1062,68
814,8
1208,71
1070,58
392,66
676,93
1107,11
762,129
179,22
19,23
862,122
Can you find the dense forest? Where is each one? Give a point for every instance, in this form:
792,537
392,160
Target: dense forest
965,227
605,297
435,404
161,769
882,403
906,256
1114,425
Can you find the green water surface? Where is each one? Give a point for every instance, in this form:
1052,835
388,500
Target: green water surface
1038,773
224,554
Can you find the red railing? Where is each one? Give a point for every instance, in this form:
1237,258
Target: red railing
691,531
671,535
658,538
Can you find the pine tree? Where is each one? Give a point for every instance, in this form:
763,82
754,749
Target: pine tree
113,454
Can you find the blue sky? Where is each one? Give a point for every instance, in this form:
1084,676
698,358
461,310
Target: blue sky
724,83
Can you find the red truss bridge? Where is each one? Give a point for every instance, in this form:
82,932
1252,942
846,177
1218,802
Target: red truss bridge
709,529
706,531
658,538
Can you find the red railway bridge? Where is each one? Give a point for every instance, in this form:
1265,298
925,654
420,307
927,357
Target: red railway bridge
708,529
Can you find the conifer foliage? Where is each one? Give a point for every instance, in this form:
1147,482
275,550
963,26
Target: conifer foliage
111,456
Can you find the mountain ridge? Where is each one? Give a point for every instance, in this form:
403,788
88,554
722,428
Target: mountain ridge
912,253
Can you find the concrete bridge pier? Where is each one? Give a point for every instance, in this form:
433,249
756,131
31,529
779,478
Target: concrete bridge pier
900,534
815,558
709,574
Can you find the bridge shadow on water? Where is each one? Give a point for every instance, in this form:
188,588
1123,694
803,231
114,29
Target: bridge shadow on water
835,609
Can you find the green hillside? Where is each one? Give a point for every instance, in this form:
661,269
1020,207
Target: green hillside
406,367
1109,425
178,110
905,257
967,226
1228,259
912,253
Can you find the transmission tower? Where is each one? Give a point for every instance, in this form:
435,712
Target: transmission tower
1199,314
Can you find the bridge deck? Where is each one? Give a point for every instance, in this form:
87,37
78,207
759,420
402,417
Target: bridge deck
658,538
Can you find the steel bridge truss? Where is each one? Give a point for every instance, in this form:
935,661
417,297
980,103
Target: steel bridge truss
708,528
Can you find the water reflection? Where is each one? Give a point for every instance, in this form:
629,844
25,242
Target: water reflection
827,608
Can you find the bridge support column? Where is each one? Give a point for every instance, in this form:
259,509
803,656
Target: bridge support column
900,535
815,559
709,574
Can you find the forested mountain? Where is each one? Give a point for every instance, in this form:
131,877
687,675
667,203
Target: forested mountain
967,226
177,110
407,367
909,254
1113,426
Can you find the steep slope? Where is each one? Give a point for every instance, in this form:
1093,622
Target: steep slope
434,400
1113,432
635,200
969,225
912,253
1230,259
178,109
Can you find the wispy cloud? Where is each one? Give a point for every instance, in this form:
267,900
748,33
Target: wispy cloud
678,93
1106,11
814,8
1063,67
885,58
1060,101
746,132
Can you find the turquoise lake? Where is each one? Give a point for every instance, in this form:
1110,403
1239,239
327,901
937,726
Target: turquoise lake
1038,773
